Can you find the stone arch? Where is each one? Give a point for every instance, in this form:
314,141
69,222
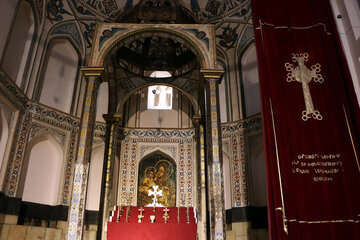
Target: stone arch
249,80
62,59
71,31
37,185
110,36
7,12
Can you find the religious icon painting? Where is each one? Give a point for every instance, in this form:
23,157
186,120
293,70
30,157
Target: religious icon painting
157,170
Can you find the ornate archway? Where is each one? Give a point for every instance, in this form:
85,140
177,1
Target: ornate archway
200,39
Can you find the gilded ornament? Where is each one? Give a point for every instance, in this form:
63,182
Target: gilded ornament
304,75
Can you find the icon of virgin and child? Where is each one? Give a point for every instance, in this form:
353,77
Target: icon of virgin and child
160,173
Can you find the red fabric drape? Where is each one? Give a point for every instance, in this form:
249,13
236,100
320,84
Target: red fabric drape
185,229
313,168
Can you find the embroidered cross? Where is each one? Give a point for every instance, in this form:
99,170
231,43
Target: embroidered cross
304,75
166,215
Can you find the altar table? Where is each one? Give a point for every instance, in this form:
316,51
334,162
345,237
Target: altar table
119,229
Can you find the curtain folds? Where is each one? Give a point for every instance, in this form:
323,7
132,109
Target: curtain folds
311,122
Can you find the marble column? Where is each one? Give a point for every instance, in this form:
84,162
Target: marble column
214,154
94,76
202,231
112,122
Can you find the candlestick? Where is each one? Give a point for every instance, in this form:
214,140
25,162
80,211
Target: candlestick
118,214
187,215
166,215
121,211
140,216
178,216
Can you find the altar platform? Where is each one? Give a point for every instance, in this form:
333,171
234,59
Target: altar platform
127,227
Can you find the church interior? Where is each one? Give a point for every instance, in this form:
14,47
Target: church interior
102,100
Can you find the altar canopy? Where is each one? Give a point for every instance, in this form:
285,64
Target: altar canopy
311,137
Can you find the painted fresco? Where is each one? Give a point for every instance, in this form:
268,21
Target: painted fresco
157,171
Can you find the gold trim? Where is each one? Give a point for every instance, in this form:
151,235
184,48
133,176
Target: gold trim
261,33
325,221
198,119
279,171
111,117
293,27
351,138
94,71
212,73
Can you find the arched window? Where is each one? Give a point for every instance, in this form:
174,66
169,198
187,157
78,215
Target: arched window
94,182
7,11
250,82
19,44
60,72
42,171
160,97
4,134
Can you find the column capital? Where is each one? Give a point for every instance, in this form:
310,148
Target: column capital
112,117
212,73
95,71
199,119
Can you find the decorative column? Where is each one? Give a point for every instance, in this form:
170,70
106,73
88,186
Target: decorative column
202,232
214,156
112,122
93,75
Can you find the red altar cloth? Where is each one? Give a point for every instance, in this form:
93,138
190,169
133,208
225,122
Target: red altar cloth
132,230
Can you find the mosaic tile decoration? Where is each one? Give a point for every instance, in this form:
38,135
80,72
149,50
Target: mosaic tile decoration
38,129
236,171
76,212
145,148
189,166
16,163
237,135
133,148
133,175
68,172
217,222
124,160
11,92
71,30
181,164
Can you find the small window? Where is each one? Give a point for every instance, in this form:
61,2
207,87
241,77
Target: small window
160,97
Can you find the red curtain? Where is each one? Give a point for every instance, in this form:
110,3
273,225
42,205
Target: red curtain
311,122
